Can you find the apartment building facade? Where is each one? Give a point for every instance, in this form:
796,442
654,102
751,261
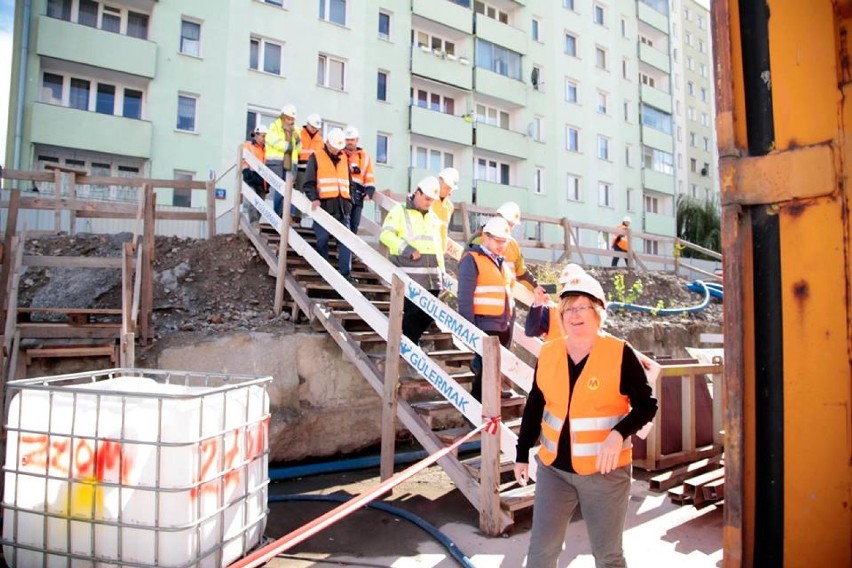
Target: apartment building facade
564,107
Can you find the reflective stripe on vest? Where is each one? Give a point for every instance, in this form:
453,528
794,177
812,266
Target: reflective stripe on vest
366,176
332,181
492,295
310,145
592,408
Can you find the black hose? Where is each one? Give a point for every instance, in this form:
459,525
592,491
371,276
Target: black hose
451,547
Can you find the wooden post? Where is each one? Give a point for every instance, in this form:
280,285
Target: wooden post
465,223
283,243
489,473
148,233
127,352
8,247
628,235
210,188
238,194
57,195
72,202
391,377
687,402
570,229
566,252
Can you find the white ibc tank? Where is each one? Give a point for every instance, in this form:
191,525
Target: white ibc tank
149,468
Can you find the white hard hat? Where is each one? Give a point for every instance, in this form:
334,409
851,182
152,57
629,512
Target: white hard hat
568,271
430,187
314,120
335,139
450,177
261,129
288,110
581,282
497,227
510,212
351,132
626,219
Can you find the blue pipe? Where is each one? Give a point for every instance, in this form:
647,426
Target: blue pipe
445,541
284,473
715,288
666,311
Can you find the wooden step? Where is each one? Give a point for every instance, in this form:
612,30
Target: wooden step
518,498
56,351
66,330
451,355
340,303
474,464
323,285
452,434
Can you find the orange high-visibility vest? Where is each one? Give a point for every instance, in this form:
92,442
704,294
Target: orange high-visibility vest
554,325
310,145
620,244
366,176
256,149
332,180
593,408
493,287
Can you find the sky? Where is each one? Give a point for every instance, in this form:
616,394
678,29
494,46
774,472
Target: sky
7,13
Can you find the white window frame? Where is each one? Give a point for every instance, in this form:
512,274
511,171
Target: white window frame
538,180
491,11
386,37
261,55
325,12
569,130
605,194
601,56
430,94
651,204
91,102
537,128
535,30
324,81
446,159
574,188
599,14
493,170
628,155
493,116
576,85
603,147
200,40
576,39
195,98
631,205
602,103
387,138
429,42
648,80
386,73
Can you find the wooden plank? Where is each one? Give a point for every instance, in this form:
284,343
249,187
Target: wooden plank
8,249
238,195
714,490
26,175
489,473
677,458
210,188
57,191
72,197
85,311
64,330
518,498
389,393
148,251
687,399
73,261
677,475
64,352
284,244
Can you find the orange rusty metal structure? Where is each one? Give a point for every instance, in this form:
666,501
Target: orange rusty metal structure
784,119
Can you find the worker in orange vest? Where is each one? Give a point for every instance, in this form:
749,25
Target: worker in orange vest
511,212
543,318
443,206
257,147
327,186
310,139
485,292
589,395
362,174
619,241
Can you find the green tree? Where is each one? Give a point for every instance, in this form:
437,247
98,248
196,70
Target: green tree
699,223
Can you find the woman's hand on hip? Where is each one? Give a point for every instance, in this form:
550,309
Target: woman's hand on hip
610,451
522,473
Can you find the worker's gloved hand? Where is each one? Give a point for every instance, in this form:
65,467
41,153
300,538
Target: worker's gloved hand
355,169
415,255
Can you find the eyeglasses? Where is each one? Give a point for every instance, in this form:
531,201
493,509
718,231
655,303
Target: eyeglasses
577,310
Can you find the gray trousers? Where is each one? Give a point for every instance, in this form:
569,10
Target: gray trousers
602,499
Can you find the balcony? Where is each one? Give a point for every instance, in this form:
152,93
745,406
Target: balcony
654,57
652,17
446,13
441,126
83,130
493,194
656,139
73,42
501,34
501,87
441,68
658,224
500,140
656,98
658,181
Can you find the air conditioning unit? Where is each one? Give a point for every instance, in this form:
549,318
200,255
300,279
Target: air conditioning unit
464,61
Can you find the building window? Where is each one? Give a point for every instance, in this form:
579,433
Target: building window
569,4
658,160
701,46
706,144
535,130
598,15
331,72
690,113
255,118
427,42
431,159
382,85
603,147
433,101
498,59
384,25
604,194
382,148
573,190
602,102
265,56
693,165
190,38
687,37
535,29
87,14
182,197
704,94
132,104
492,170
333,11
494,116
535,78
571,89
630,199
651,204
704,70
111,20
651,246
491,12
600,58
656,119
538,181
628,160
79,94
623,27
625,69
646,40
187,108
692,138
571,45
690,88
105,99
647,80
137,25
51,88
59,9
572,139
705,119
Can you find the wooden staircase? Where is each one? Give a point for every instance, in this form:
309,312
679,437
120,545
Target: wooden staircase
432,420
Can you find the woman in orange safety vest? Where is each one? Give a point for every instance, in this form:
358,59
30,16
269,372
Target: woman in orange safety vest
589,395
